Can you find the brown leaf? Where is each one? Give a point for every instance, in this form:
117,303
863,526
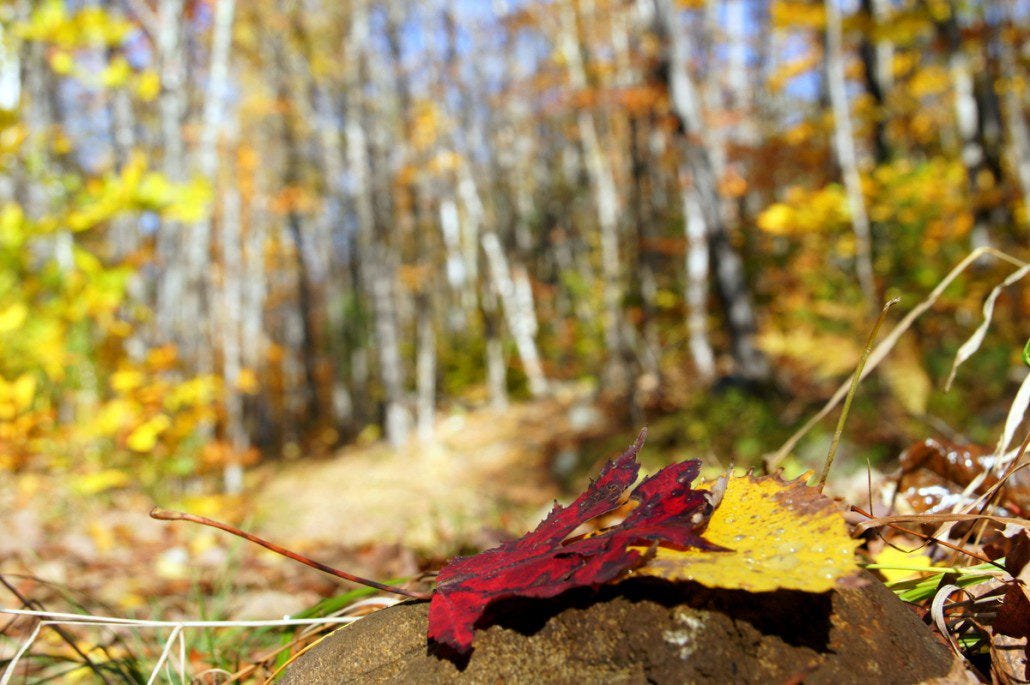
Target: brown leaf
1018,554
1014,614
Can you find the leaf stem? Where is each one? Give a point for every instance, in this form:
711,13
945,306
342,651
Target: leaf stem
855,378
168,515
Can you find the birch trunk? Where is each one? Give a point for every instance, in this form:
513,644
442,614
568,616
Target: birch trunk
376,264
972,122
607,204
877,59
847,155
696,289
730,280
508,288
412,226
171,315
1019,140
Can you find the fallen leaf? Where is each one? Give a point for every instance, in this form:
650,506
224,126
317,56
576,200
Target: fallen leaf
1013,617
543,563
783,535
1010,644
900,559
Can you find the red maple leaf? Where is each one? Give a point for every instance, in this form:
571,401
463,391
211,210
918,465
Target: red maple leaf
543,563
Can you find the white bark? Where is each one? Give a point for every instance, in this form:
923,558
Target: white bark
702,163
230,334
377,266
519,318
1019,140
607,201
696,291
171,316
425,372
847,155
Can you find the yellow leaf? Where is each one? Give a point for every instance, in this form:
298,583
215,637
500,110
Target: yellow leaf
783,535
116,73
776,219
113,415
62,62
148,85
144,437
94,483
12,318
125,380
891,556
16,396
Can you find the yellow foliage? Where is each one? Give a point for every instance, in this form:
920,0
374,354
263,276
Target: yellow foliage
12,226
194,392
116,73
144,437
126,379
776,219
907,379
782,535
162,358
62,62
147,85
427,124
805,211
101,481
113,416
16,396
90,26
183,202
824,354
793,68
12,317
797,14
891,556
930,80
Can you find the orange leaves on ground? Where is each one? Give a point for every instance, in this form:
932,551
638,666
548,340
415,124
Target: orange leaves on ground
783,535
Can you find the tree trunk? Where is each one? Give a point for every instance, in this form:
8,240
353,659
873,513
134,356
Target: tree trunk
730,280
847,155
1019,140
607,203
696,290
877,58
377,265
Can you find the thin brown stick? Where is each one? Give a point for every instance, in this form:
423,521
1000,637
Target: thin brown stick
874,521
167,515
940,518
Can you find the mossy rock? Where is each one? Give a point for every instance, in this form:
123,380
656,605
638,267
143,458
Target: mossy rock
646,631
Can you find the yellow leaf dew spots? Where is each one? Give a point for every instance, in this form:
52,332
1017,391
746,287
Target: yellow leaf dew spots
783,544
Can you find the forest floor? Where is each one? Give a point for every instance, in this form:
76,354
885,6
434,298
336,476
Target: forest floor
372,510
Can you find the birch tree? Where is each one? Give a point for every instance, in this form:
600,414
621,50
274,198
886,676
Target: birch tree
847,154
728,267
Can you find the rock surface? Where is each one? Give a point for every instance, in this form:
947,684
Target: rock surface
648,631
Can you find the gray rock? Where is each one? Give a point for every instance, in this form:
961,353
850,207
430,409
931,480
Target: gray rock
646,631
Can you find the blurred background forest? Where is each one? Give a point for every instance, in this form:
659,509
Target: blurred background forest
241,230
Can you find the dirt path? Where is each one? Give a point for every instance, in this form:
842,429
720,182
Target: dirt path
484,470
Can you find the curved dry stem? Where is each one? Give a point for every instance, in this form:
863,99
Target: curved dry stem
168,515
877,355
